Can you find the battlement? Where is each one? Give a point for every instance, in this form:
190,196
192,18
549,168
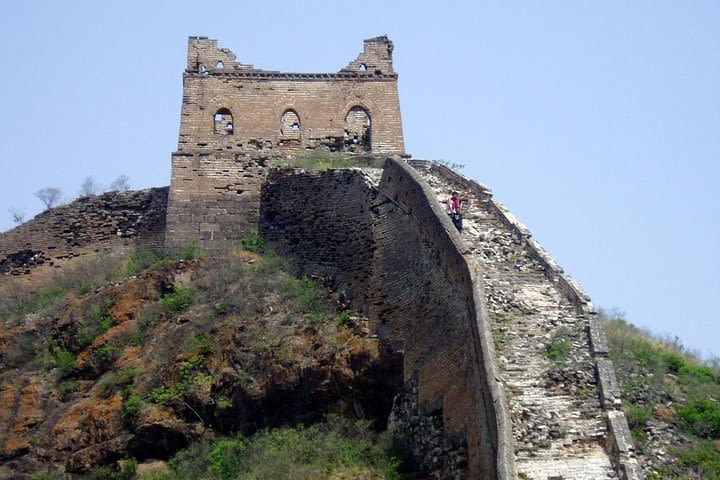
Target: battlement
204,57
232,106
236,118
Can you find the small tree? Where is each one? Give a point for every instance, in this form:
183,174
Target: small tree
17,215
120,184
50,196
88,187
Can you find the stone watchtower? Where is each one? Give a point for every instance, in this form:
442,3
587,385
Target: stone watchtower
235,119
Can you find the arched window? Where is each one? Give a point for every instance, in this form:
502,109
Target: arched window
224,122
357,130
219,65
289,126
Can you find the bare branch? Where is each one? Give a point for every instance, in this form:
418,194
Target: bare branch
17,214
50,196
120,184
88,187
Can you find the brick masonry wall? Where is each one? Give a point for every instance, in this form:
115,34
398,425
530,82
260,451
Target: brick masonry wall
398,258
214,198
233,116
257,100
325,221
90,224
619,441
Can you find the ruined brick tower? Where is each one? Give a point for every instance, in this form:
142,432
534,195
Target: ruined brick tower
235,119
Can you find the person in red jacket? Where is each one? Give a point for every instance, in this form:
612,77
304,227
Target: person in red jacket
454,204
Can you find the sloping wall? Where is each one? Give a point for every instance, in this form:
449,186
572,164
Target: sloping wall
398,257
93,223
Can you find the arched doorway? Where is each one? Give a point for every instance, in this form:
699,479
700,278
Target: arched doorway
357,130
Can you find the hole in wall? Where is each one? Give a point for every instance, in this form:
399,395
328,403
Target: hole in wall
357,130
290,125
223,120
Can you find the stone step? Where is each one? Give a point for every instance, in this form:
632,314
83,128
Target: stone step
558,424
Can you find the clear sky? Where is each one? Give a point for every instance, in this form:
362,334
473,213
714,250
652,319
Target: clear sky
596,123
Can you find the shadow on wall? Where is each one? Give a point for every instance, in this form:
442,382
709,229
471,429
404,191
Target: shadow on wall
394,257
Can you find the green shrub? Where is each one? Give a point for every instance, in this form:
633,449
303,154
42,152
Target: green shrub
701,416
201,344
46,300
558,350
638,415
65,362
66,388
178,300
304,295
127,471
674,362
252,242
139,261
132,406
690,373
701,458
317,451
191,463
107,353
189,252
148,317
343,317
270,264
48,476
164,395
97,320
103,472
227,458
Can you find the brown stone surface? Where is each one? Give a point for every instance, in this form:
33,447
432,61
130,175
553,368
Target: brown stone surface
271,368
255,101
115,220
391,254
236,120
20,410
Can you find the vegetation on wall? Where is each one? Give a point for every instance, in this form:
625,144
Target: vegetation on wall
321,159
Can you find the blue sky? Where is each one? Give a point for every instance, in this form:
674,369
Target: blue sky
596,123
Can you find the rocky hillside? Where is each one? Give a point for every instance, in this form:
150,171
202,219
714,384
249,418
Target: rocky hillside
138,357
672,402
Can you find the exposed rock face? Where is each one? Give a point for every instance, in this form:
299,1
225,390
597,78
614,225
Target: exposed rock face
150,381
389,249
138,387
21,409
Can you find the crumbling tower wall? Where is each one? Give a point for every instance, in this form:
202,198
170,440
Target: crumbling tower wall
236,119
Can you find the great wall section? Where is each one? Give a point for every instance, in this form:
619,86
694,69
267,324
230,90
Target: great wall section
472,313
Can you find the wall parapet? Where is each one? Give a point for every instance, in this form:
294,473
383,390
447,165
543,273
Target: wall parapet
570,288
394,253
89,224
619,441
494,395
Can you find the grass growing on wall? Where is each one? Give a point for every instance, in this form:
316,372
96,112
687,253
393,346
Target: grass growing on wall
320,159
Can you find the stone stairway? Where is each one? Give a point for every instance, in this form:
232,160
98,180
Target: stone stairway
542,346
